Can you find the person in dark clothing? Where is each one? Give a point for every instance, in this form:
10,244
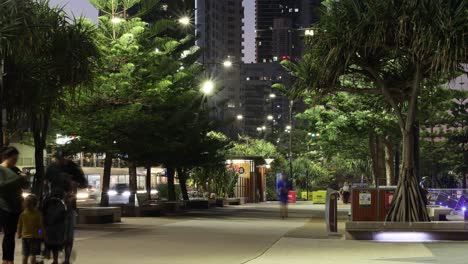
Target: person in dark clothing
11,200
62,179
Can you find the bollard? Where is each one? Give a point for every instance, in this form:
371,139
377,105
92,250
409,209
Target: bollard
331,211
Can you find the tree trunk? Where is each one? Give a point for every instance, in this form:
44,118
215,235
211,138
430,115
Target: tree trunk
106,180
376,146
417,158
389,170
148,181
2,102
171,195
132,172
40,167
464,170
397,165
40,125
408,204
183,183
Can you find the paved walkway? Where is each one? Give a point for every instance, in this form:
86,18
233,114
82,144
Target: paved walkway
251,234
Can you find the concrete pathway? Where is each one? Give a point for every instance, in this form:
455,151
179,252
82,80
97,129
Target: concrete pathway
251,234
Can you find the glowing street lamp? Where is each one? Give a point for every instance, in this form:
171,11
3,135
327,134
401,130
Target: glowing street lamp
116,20
227,64
184,21
268,163
270,117
207,87
309,32
272,95
263,127
240,117
288,127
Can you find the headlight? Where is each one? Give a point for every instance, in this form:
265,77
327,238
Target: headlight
154,191
126,193
112,193
82,195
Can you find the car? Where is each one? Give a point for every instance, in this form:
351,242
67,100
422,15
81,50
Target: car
88,195
119,193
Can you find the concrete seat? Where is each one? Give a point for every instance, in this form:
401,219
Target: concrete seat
98,215
438,213
439,230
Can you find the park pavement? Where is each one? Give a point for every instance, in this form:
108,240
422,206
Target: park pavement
252,234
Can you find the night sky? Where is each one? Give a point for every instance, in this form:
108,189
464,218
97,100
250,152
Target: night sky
83,7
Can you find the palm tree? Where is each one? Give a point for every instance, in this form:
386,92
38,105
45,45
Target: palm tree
12,14
56,55
389,48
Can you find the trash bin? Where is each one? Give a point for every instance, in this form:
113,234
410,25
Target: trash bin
292,197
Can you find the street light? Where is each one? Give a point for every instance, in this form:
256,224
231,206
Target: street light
184,21
263,127
272,95
207,87
227,64
288,127
116,20
240,117
270,117
309,32
268,163
259,129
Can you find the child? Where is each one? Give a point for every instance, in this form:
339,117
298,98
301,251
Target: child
30,229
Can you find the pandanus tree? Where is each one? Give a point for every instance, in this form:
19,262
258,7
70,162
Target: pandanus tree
390,48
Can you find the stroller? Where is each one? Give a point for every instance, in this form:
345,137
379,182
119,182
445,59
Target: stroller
54,212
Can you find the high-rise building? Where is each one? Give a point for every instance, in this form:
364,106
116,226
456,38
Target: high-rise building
219,26
280,29
281,26
265,111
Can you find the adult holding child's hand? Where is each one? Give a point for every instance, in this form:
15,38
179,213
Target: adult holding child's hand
10,200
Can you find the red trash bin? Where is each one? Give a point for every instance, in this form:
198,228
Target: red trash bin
292,197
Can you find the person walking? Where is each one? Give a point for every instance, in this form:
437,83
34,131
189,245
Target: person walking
11,200
282,189
424,186
346,192
30,230
62,179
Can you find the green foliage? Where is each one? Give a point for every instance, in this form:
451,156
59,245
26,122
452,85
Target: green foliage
254,147
308,174
163,191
